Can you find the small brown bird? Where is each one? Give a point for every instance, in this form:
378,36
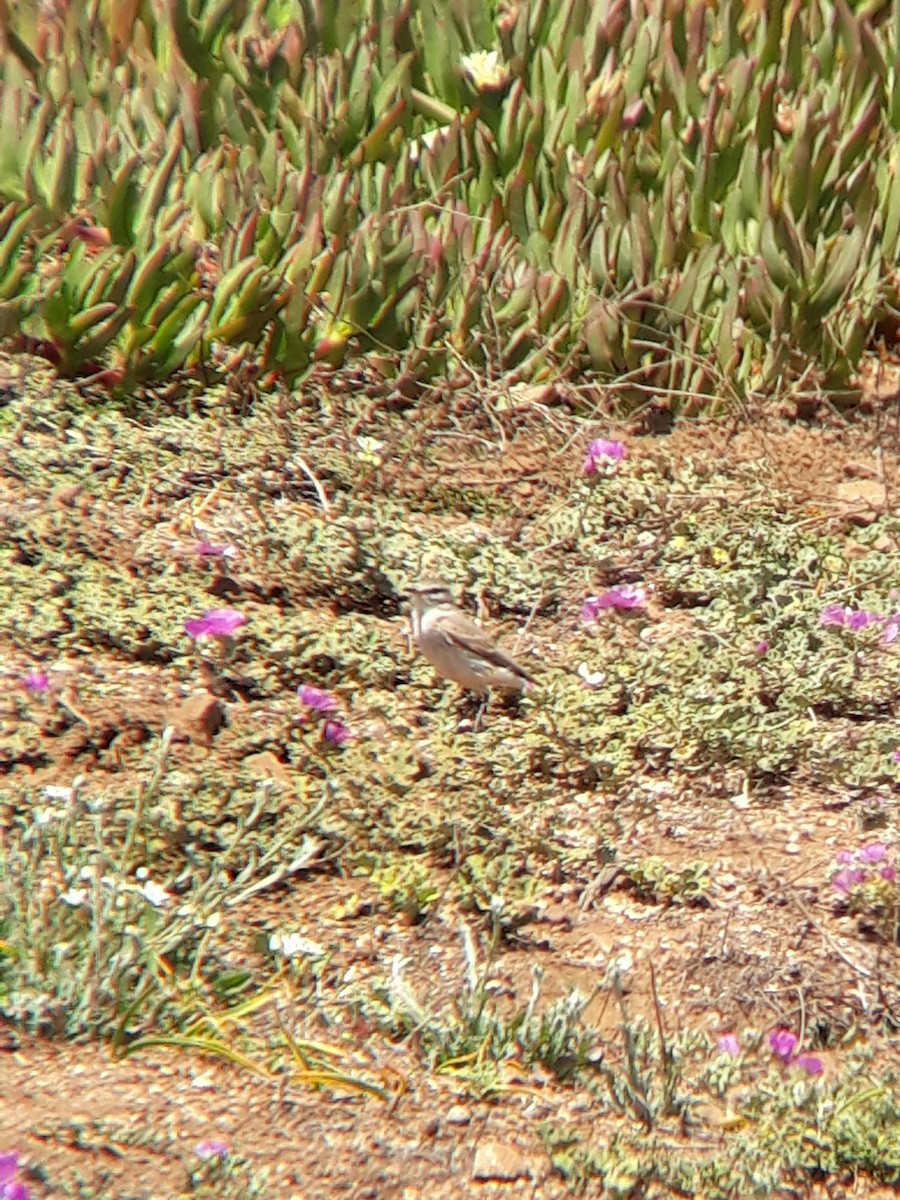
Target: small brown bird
456,646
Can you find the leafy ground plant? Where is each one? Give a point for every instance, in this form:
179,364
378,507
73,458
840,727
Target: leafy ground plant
252,845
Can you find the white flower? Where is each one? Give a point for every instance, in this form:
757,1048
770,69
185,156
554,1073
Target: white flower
155,894
59,793
590,679
294,945
485,70
370,450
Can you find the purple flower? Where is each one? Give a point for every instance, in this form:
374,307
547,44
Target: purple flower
761,648
859,619
895,755
316,698
218,622
35,681
590,610
808,1063
9,1188
623,596
336,733
853,619
832,615
873,853
211,1149
784,1046
210,550
783,1043
847,879
728,1044
855,868
601,452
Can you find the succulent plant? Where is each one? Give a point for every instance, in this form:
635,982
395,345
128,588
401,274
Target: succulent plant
690,200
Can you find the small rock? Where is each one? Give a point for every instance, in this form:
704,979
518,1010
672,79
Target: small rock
266,766
497,1160
457,1115
861,500
859,470
199,717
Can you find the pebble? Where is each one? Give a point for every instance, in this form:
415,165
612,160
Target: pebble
199,717
498,1160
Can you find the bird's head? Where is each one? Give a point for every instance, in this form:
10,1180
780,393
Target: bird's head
429,593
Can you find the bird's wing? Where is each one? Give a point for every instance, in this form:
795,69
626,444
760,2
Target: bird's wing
466,635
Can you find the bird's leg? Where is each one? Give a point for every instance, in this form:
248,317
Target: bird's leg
482,708
472,707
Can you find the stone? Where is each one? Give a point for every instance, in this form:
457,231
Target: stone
499,1160
199,718
265,765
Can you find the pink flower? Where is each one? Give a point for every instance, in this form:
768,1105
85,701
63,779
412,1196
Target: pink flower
623,596
728,1044
35,681
602,452
859,619
847,879
808,1063
873,853
834,614
895,755
784,1046
853,619
10,1189
210,550
761,647
783,1043
211,1149
218,622
316,698
856,868
336,733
